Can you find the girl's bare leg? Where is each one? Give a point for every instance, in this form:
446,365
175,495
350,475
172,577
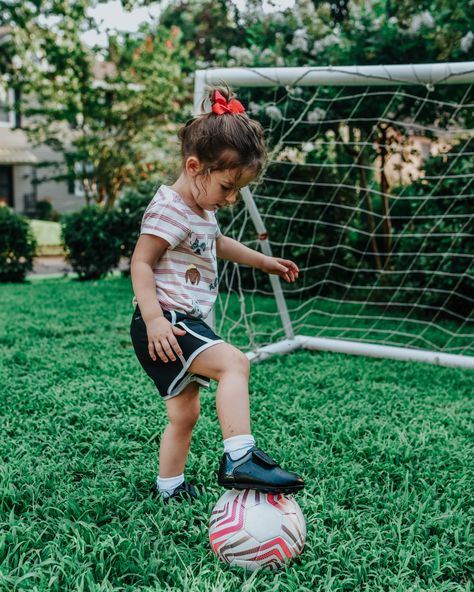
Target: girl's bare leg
231,368
183,413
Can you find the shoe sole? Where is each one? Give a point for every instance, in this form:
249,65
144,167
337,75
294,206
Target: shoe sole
262,488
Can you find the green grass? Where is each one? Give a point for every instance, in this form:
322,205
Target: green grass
385,447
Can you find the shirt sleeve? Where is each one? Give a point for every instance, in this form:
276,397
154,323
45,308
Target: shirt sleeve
167,222
218,229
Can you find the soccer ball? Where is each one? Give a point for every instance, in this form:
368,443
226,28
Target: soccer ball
255,530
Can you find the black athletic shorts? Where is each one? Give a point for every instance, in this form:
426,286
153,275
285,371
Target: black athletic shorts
170,377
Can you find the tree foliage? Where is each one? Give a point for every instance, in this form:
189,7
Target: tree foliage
110,126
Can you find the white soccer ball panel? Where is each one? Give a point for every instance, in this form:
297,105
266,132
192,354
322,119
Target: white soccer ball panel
263,522
252,530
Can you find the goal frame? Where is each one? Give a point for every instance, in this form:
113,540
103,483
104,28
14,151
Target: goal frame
420,74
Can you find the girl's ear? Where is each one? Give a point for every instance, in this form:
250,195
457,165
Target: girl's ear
193,166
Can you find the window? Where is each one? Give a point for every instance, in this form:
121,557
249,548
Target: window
17,97
84,176
6,185
7,115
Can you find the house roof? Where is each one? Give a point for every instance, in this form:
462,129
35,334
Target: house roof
17,156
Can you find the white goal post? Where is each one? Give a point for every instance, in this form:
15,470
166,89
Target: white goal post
428,77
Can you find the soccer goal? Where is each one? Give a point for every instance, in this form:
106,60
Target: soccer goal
369,189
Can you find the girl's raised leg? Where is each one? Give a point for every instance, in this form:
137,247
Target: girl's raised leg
231,368
254,469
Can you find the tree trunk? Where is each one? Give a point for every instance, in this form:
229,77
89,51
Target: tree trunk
387,226
370,214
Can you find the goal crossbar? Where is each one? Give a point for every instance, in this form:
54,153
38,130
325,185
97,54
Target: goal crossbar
427,74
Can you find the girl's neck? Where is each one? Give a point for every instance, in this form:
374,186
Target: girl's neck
181,186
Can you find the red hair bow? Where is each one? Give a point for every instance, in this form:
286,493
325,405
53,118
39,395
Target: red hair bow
221,106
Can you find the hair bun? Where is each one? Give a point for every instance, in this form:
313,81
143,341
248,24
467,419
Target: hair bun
225,91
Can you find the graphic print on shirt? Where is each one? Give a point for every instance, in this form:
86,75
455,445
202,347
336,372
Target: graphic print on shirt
196,310
196,246
213,284
192,275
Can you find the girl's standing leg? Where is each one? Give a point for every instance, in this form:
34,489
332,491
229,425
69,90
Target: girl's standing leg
183,413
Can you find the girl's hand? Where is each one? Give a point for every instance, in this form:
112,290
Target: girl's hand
161,339
283,267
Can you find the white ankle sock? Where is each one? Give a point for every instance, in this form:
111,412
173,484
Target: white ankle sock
168,484
237,446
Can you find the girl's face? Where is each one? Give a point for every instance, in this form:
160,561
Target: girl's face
219,188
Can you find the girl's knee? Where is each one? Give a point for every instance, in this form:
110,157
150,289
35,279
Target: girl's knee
186,418
236,362
244,363
219,360
183,410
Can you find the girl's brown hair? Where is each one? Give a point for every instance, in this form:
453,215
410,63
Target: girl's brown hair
228,141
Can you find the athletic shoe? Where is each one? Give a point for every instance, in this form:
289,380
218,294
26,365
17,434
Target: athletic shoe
256,470
185,491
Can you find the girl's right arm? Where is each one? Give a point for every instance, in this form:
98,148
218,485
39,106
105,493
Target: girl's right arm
161,333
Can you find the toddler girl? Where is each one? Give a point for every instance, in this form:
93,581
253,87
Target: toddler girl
174,276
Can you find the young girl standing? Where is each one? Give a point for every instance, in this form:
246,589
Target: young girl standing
174,276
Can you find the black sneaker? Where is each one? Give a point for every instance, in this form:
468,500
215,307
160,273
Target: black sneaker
256,470
185,491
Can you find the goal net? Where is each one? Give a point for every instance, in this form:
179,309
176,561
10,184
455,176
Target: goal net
369,189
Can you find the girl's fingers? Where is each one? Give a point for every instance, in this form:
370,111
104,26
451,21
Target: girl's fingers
160,352
291,265
175,345
151,351
167,348
156,345
178,331
293,270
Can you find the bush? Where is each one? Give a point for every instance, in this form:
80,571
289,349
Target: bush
45,211
433,246
17,246
92,246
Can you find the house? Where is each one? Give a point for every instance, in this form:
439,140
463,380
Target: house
18,168
20,161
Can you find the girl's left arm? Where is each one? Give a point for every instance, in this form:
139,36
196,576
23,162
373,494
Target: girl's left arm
232,250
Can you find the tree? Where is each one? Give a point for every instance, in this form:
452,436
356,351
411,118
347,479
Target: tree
106,116
319,33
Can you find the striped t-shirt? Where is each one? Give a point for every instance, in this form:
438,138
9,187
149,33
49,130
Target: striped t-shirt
186,274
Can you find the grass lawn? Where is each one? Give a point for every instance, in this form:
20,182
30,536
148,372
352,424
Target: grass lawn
385,447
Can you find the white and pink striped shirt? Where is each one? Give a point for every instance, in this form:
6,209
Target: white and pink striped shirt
186,274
